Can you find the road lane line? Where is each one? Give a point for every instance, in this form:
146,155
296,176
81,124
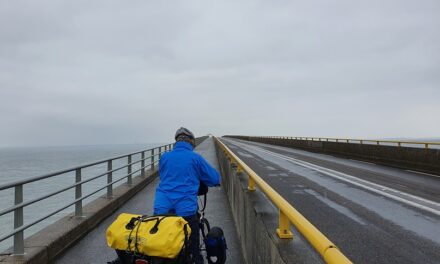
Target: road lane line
366,162
374,187
424,173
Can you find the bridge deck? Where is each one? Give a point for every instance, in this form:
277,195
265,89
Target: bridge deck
93,249
373,213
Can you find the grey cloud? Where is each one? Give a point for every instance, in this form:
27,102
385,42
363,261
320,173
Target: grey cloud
122,72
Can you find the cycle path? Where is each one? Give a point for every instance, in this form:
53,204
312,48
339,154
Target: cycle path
93,248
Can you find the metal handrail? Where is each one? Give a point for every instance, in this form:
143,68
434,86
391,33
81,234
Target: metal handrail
288,214
62,208
19,205
399,143
12,208
56,173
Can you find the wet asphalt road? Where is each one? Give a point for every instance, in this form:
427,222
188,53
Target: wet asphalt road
373,213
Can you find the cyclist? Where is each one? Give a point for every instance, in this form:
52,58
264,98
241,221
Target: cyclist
181,172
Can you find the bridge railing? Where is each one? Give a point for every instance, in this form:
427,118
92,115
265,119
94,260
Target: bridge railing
19,205
288,214
398,143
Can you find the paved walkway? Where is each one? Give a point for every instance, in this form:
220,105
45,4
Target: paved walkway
93,248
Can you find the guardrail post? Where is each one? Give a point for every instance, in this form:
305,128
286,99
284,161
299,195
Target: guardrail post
283,230
18,221
143,163
152,159
251,184
109,179
426,146
160,152
129,181
78,193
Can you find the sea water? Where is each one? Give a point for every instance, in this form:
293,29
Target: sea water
22,163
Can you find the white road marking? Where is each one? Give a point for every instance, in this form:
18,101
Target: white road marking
370,163
373,187
424,173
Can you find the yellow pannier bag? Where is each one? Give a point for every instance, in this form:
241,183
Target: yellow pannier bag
156,236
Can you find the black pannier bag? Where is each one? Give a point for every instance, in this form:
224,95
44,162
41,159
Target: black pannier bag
215,245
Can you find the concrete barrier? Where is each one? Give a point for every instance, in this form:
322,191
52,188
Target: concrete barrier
256,220
417,159
200,140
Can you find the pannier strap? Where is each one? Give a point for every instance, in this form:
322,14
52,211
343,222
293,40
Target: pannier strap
156,226
132,224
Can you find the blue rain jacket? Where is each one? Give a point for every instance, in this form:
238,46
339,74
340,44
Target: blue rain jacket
180,172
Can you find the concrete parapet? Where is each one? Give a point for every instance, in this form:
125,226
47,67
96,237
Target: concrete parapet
199,140
47,244
417,159
256,220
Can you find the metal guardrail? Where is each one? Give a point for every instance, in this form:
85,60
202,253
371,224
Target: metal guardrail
397,143
19,227
288,214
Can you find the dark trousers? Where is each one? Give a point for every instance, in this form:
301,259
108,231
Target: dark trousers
193,221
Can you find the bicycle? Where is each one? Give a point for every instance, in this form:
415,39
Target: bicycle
212,246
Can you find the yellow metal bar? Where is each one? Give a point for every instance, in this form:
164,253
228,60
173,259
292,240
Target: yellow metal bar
354,139
283,230
318,240
426,144
333,256
251,184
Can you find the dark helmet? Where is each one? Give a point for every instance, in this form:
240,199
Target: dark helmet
184,131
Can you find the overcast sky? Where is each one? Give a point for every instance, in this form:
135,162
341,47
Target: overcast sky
99,72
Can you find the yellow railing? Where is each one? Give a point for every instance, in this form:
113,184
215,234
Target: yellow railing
288,214
360,141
